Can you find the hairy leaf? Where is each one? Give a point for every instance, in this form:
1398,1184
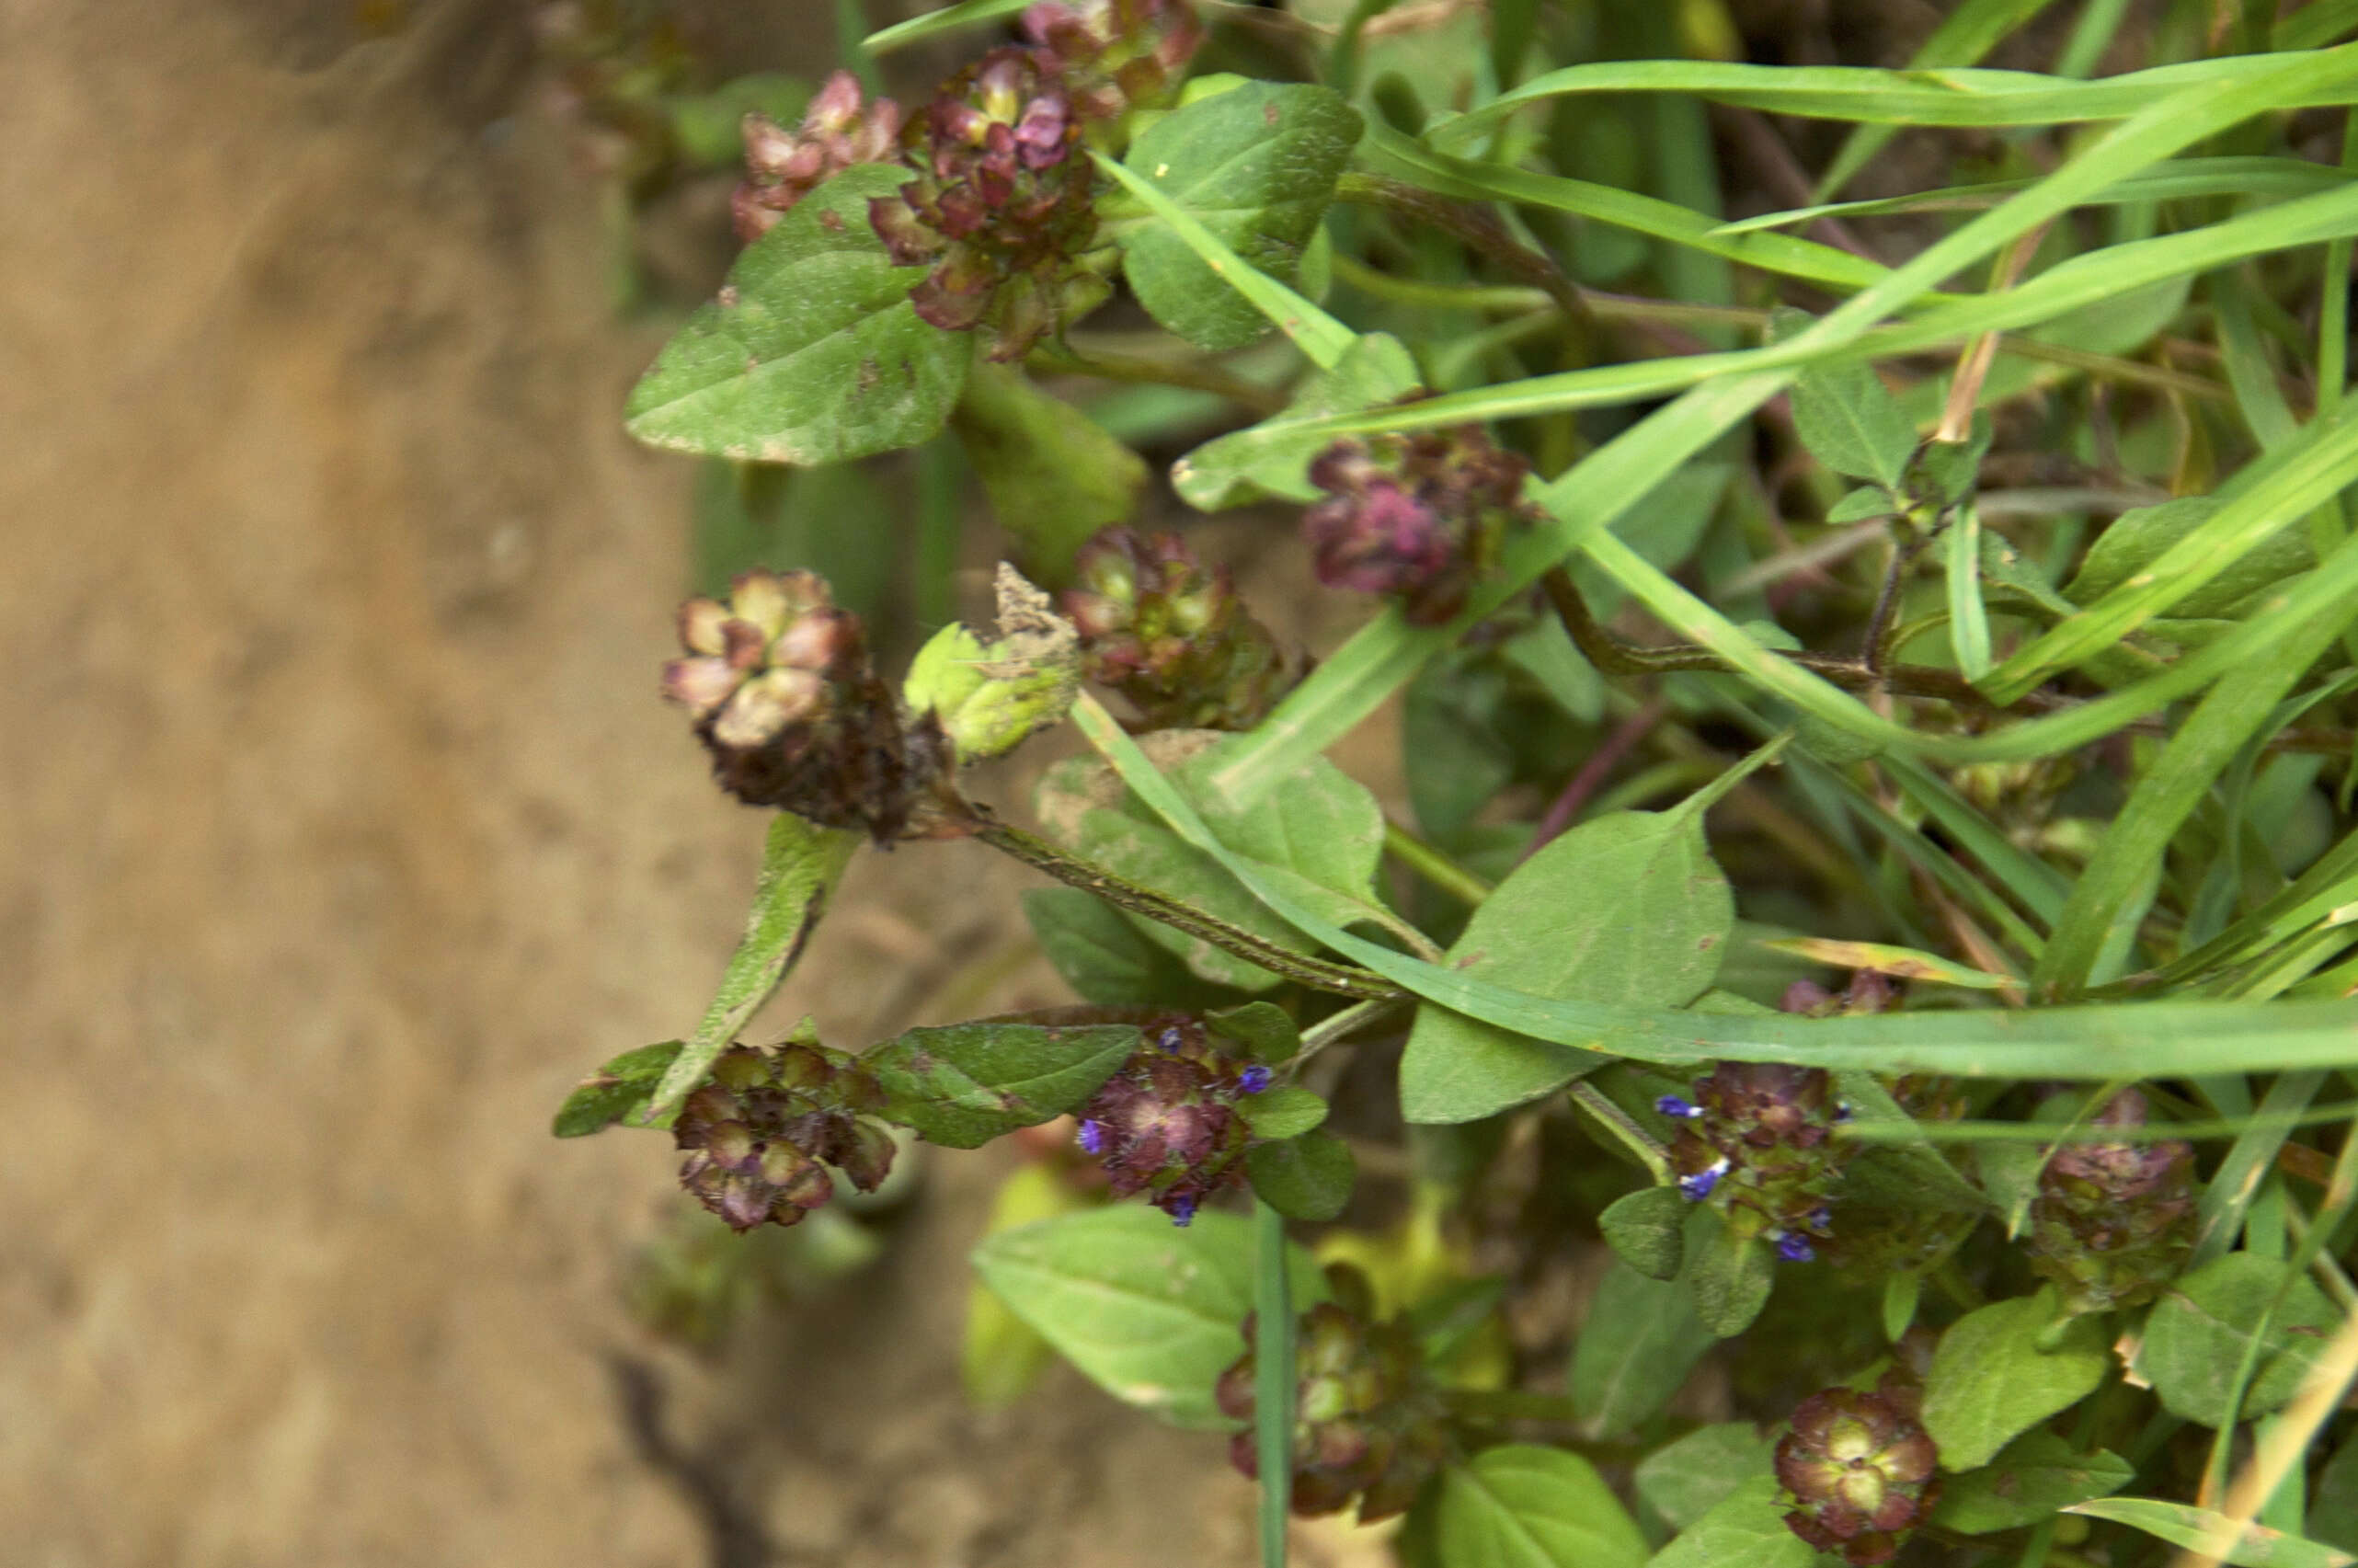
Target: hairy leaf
1522,1506
1991,1381
968,1084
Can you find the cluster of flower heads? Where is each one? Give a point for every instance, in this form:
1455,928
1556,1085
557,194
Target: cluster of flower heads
1165,1122
785,700
1418,516
1756,1143
761,1133
1857,1467
783,166
2114,1222
1367,1422
1172,635
1000,208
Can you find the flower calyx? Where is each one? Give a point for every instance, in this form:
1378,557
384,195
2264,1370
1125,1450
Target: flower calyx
1419,516
1859,1469
2113,1223
1172,635
1115,57
1165,1124
762,1131
1368,1423
1756,1143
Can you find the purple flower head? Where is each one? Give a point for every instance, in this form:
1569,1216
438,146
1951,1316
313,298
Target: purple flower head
1253,1079
782,166
1171,635
1092,1137
1681,1110
1794,1247
1418,516
1165,1123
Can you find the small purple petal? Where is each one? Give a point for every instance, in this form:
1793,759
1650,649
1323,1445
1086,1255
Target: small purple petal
1092,1137
1170,1039
1699,1186
1842,1112
1253,1079
1820,1218
1681,1110
1181,1209
1795,1248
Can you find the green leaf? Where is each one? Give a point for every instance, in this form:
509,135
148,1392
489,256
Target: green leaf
2333,1504
1148,1310
1524,1507
1990,1380
1859,505
1640,1341
1271,460
1644,1229
812,354
614,1091
1103,955
931,23
801,863
1686,1480
708,126
1054,476
2182,1524
1308,1177
1002,1357
1743,1530
1624,909
1286,1111
1256,166
965,1085
1731,1277
2195,1338
2030,1479
2137,539
1851,423
1262,1028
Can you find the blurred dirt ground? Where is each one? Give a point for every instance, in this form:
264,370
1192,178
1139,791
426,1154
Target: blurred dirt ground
343,833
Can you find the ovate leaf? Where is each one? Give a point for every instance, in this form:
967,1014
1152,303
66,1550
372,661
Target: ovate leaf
1522,1506
1990,1380
2031,1478
1847,418
969,1084
1002,1355
1640,1341
1645,1227
2139,538
1053,474
1686,1480
1743,1530
1307,1177
1285,1112
1730,1277
812,354
800,865
1627,909
1149,1310
1256,165
1107,958
2195,1338
614,1091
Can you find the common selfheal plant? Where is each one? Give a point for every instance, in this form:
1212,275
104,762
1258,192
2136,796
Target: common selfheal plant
1909,652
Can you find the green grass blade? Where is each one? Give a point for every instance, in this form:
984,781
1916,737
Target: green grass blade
966,14
2317,24
2226,1197
2035,886
1962,98
1321,338
1964,38
1274,1380
2179,179
2088,1044
1968,617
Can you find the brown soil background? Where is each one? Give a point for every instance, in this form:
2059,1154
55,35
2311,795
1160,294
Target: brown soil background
344,832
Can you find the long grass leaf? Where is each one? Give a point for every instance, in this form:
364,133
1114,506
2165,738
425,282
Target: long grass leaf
1964,38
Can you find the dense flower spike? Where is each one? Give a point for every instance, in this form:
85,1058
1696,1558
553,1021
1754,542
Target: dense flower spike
1000,208
1419,516
1116,56
782,166
783,698
1165,1122
1756,1143
1367,1423
763,1132
2113,1222
1171,635
1859,1469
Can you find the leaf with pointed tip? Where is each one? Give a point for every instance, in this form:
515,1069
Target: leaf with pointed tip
1307,1177
614,1091
2031,1478
1525,1506
813,353
968,1084
1992,1379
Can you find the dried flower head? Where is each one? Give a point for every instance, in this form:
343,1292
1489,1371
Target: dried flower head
1417,517
761,1133
2114,1222
1171,635
1367,1423
782,166
1756,1142
1859,1471
1165,1122
1115,56
1000,208
784,697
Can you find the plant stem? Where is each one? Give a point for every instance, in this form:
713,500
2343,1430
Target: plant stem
1191,375
1343,980
1627,1132
1433,866
1330,1029
1476,228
